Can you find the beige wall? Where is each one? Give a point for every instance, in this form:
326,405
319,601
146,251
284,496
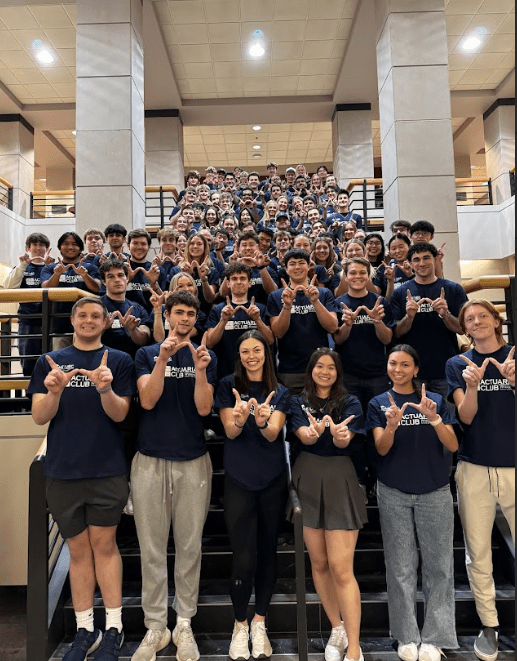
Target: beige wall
20,439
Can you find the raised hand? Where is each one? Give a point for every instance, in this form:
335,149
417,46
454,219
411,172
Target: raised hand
263,411
203,269
393,414
312,292
472,374
228,311
80,269
507,368
26,257
315,429
260,259
252,311
101,377
157,300
288,295
234,257
153,274
440,304
47,258
377,312
340,432
412,306
159,259
241,410
441,254
57,380
350,316
60,267
128,321
426,406
187,267
171,345
201,355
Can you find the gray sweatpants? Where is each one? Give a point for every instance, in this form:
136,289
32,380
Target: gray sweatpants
166,492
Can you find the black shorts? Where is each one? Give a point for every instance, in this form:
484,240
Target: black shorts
77,504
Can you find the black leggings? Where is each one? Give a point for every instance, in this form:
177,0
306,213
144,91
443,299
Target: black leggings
253,519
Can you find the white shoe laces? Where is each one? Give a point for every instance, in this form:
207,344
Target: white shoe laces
185,635
241,634
152,637
337,637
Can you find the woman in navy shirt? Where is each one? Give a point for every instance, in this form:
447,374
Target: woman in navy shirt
253,407
325,419
414,437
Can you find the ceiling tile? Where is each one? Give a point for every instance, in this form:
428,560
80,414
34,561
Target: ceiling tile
314,67
289,30
287,50
62,38
233,129
26,38
224,33
187,11
328,9
256,84
507,26
194,139
234,148
191,130
175,53
349,8
317,50
183,85
459,61
198,70
463,6
284,9
498,76
226,52
508,62
163,12
51,16
71,10
181,72
487,61
323,30
474,77
16,59
339,48
169,34
457,24
219,10
278,128
310,82
67,55
236,138
467,87
213,140
454,76
452,42
285,68
281,146
228,69
192,34
319,144
251,10
485,24
200,53
8,77
18,18
343,29
33,75
20,91
9,42
501,6
499,43
229,84
284,83
42,91
255,68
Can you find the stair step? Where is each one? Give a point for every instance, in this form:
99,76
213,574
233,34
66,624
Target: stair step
374,649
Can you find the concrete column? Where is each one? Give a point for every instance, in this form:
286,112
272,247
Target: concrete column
60,178
110,158
415,113
17,160
499,125
352,142
164,148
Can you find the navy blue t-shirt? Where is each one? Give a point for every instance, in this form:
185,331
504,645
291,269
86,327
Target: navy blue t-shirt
239,324
83,442
363,354
138,287
324,446
118,337
31,280
257,288
380,280
305,333
251,460
429,335
417,462
167,272
173,429
490,439
213,279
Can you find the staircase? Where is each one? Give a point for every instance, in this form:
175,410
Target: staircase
214,622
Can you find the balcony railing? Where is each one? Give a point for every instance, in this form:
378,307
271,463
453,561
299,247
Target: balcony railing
6,194
512,182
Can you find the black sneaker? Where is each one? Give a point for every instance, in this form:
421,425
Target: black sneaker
85,642
110,647
486,644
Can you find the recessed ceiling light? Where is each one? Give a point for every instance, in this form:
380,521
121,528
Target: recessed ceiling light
257,155
471,43
257,128
256,147
74,132
257,47
45,56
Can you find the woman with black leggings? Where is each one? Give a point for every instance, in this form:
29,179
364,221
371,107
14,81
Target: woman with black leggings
253,407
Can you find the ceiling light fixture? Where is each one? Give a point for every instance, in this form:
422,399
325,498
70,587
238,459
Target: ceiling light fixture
256,147
257,127
257,47
471,43
257,155
45,56
74,132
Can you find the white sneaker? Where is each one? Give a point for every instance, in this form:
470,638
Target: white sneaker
185,642
408,652
361,658
260,645
239,647
429,653
337,644
154,641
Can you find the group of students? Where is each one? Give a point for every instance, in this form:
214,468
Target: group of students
276,344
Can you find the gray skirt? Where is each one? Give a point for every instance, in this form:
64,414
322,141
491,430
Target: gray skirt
329,493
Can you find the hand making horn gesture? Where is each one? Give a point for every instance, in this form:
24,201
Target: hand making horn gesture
228,311
315,428
101,377
288,295
80,269
127,321
340,432
203,269
507,369
426,406
234,257
153,274
241,410
253,311
312,292
60,267
472,374
201,355
413,306
349,316
171,344
261,259
389,272
405,268
440,304
263,411
57,380
157,300
377,312
26,257
393,414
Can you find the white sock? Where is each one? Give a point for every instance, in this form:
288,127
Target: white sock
182,620
114,619
84,619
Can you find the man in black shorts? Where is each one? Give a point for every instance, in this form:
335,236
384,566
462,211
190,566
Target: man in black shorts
84,391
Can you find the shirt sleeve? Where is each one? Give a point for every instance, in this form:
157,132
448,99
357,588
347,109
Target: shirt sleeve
454,377
273,304
15,276
213,318
143,364
374,416
353,407
284,400
298,416
39,375
396,302
124,378
211,370
224,397
328,300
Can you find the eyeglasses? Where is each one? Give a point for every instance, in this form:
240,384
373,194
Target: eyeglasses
373,243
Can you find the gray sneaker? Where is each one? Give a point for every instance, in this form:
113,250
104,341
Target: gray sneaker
486,645
154,641
184,640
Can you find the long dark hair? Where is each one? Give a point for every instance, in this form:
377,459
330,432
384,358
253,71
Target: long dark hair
240,376
338,393
406,348
382,255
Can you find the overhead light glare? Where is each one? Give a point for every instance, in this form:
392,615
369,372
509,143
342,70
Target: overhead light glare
257,48
471,43
257,155
257,128
74,132
45,57
256,147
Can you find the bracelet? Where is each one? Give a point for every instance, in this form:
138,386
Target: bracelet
444,316
436,422
238,426
260,268
103,392
265,426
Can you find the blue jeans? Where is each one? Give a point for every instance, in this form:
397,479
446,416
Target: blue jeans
429,520
28,346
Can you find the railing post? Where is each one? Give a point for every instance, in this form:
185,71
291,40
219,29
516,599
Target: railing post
10,201
37,571
162,210
365,206
509,296
490,196
512,183
45,322
32,205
